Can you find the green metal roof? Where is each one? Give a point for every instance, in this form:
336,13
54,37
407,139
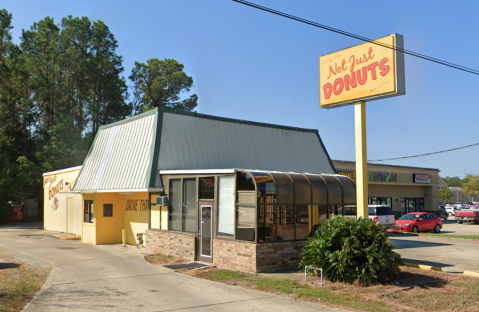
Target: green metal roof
128,154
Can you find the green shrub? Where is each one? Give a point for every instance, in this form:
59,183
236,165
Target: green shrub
351,250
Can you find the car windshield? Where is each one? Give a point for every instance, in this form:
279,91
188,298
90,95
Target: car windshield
384,211
409,217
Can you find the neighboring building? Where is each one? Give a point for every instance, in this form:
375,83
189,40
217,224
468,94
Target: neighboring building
403,188
62,209
458,196
239,194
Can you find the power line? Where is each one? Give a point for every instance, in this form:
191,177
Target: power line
427,154
305,21
415,54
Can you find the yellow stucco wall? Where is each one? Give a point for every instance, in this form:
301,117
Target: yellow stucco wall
159,215
130,212
135,218
89,229
108,228
62,211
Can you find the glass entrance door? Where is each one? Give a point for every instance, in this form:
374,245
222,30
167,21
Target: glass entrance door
414,204
205,233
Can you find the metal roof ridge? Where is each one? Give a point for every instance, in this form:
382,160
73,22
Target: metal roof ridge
232,120
129,119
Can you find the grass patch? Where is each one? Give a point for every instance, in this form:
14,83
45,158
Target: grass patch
20,280
314,294
227,275
452,236
417,290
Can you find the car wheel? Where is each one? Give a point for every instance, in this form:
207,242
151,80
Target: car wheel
437,229
460,222
415,229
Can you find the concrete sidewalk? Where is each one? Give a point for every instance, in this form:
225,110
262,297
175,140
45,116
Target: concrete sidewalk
117,278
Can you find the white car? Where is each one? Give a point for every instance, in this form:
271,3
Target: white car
381,213
458,206
450,209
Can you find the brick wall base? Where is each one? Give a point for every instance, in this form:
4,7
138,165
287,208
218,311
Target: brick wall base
256,258
279,256
238,256
171,243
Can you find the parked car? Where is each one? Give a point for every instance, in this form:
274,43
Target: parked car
450,209
458,205
442,212
381,213
417,222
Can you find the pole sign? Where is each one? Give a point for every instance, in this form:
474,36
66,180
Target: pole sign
364,72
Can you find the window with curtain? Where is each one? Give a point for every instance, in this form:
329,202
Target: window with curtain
190,206
226,206
174,211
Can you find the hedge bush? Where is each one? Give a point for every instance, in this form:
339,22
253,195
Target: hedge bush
350,250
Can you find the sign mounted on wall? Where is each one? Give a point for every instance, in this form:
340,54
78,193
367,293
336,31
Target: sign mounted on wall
350,174
369,71
421,178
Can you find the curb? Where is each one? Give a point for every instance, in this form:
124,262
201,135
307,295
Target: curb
65,237
471,273
425,267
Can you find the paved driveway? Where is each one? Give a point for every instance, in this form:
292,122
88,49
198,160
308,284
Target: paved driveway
116,278
454,255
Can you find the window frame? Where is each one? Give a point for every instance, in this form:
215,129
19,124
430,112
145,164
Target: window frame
183,207
88,211
111,210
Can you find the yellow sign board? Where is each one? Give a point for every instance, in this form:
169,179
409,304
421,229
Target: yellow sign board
364,72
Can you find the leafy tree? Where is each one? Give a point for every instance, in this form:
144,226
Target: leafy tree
351,250
67,148
40,47
453,181
7,189
95,90
57,87
471,187
159,83
445,193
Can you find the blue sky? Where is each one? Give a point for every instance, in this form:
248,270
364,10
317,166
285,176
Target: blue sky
252,65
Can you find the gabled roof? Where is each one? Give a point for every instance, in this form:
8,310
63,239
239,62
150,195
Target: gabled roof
129,154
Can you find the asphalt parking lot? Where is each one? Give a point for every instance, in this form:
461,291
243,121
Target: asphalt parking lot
454,255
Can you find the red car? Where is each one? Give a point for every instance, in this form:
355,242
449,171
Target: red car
417,222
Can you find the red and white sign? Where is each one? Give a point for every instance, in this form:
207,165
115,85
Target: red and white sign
422,178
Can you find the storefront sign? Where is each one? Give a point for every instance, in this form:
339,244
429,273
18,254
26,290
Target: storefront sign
350,174
421,178
208,183
137,205
383,177
364,72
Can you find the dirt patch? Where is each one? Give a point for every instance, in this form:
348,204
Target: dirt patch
159,259
20,280
416,290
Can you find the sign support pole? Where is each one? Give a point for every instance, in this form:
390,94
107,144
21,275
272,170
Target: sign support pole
361,160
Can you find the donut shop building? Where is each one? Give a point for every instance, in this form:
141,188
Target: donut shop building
239,194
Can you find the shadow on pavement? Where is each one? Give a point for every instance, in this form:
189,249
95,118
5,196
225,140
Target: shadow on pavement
401,244
8,265
22,225
431,263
